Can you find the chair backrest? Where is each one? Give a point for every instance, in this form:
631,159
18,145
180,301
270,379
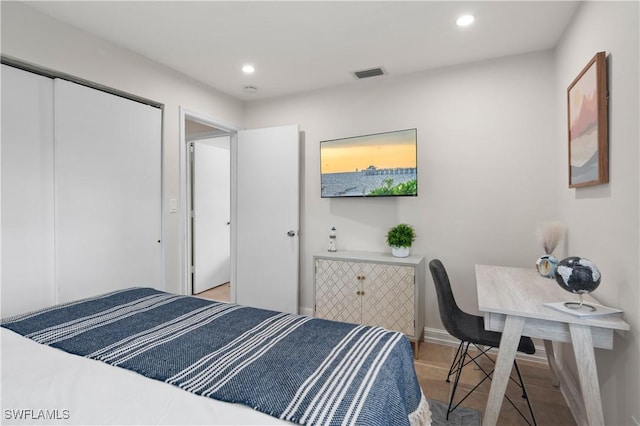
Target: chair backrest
449,309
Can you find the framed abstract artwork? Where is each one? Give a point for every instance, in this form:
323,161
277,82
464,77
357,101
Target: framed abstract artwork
587,125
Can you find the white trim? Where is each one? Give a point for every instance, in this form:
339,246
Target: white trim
568,385
439,336
305,311
572,395
442,337
185,194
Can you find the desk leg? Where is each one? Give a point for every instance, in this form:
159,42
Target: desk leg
506,354
551,360
587,372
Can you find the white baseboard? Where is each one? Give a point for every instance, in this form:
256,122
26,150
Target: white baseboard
572,395
568,385
305,311
442,337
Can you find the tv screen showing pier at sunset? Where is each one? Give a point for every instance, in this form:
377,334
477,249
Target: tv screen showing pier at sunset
377,165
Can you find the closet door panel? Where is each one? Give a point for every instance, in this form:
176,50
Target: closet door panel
27,192
108,192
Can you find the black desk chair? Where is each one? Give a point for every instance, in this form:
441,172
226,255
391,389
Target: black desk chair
470,330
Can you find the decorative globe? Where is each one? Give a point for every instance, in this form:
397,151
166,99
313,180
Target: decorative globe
577,275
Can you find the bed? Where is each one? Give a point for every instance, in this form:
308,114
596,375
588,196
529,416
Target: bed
143,356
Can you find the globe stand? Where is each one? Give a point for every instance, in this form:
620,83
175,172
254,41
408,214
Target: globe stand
579,305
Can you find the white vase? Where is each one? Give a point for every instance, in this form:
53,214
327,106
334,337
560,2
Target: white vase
400,251
546,266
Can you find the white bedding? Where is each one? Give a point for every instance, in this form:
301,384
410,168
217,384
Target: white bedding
41,382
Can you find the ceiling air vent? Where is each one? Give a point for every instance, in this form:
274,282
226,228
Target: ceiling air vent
373,72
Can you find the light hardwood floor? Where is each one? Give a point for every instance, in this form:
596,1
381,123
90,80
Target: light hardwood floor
432,366
220,293
548,403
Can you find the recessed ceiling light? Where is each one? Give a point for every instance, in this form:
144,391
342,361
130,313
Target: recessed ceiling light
248,69
465,20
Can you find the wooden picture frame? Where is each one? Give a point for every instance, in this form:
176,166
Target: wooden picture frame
587,125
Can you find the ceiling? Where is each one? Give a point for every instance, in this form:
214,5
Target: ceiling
299,46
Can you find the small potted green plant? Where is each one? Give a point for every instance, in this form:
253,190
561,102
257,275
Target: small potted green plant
400,238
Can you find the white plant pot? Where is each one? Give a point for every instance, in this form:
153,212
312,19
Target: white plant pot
400,251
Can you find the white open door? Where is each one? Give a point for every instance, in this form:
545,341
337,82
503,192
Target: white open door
267,243
212,212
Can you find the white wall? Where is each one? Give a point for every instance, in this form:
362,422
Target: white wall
485,159
603,220
492,158
36,38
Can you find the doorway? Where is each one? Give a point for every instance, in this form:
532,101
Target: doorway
209,209
264,220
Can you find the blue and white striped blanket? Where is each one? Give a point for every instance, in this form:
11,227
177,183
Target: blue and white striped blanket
297,368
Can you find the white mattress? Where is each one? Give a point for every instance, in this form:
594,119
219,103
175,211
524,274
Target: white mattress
37,378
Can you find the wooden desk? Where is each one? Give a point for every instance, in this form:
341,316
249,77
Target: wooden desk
512,302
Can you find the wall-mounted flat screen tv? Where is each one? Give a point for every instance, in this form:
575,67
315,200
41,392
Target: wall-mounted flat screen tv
378,165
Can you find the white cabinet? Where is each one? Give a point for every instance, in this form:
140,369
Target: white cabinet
371,289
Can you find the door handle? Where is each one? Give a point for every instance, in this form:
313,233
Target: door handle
291,233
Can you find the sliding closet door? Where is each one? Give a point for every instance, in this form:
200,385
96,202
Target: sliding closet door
108,189
27,192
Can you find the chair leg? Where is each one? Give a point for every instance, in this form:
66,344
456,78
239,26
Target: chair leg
520,383
458,361
455,361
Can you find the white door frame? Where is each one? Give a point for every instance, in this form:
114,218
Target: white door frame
185,196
